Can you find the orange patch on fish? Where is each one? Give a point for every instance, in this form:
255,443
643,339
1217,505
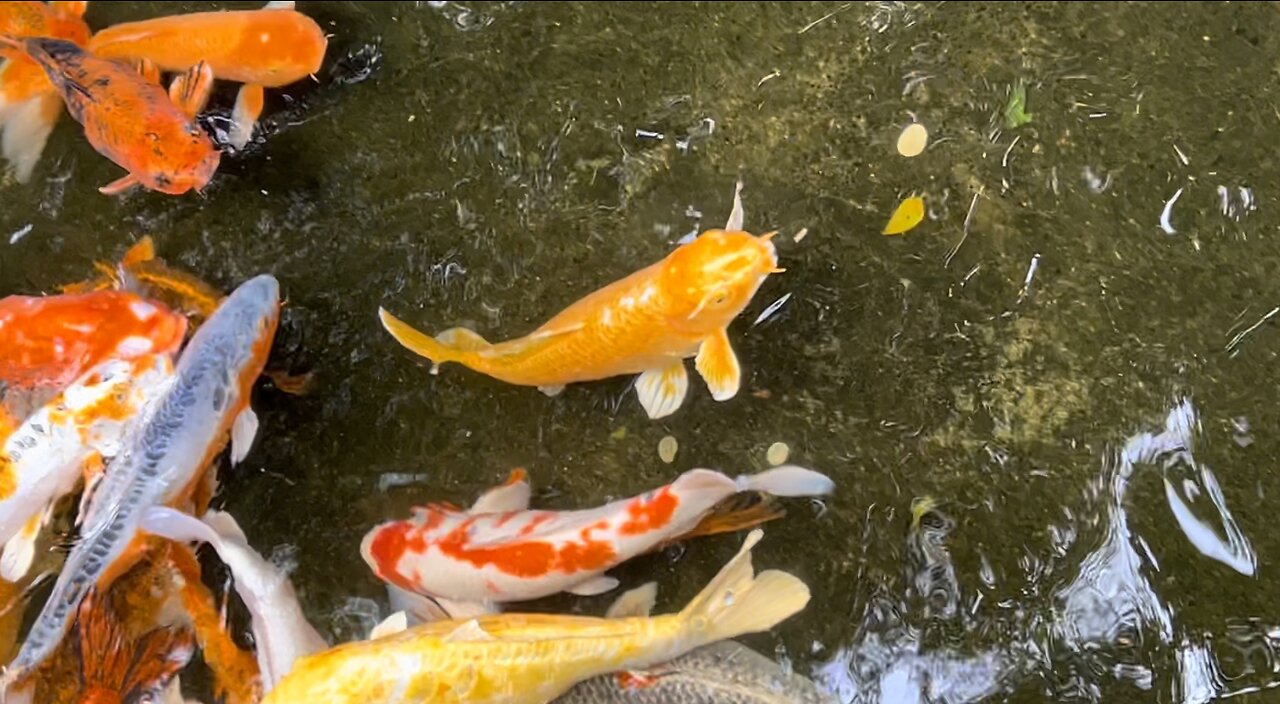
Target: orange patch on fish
650,513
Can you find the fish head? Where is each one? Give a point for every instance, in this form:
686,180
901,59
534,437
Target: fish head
710,280
181,157
290,46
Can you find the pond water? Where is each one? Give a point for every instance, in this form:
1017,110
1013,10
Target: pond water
1048,408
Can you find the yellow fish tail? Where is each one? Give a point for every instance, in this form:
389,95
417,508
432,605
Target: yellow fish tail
738,601
453,345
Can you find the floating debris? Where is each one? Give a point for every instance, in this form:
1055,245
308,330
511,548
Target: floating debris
392,480
1015,112
619,434
21,232
648,134
667,448
913,140
1165,223
773,308
910,213
778,453
804,232
1031,274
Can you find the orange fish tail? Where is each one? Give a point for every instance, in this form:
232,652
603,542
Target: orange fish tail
736,513
453,345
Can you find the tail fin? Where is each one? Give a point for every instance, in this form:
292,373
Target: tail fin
788,480
449,346
738,512
110,663
738,601
29,109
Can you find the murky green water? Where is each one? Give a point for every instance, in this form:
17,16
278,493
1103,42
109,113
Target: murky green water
492,169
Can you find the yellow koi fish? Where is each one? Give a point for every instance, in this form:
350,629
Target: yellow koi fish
647,323
531,658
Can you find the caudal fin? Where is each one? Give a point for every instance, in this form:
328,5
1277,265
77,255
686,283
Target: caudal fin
29,109
111,663
449,346
738,602
788,480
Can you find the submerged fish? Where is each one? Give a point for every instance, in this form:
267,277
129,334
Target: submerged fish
646,324
51,340
266,48
29,104
533,658
501,551
129,119
141,272
116,668
43,460
722,673
164,461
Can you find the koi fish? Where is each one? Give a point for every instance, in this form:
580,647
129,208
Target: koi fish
533,658
266,48
500,551
131,120
281,632
51,340
29,104
164,460
43,460
646,324
139,271
116,668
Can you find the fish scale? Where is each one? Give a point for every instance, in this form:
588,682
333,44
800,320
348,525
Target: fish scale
164,457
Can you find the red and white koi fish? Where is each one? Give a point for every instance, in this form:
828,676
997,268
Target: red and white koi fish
500,551
165,458
42,461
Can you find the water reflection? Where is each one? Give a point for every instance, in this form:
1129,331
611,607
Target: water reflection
1106,625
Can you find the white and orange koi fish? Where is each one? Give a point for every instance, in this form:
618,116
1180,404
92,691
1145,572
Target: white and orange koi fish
468,561
165,458
43,459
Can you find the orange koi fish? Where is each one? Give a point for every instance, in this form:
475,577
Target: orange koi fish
29,104
49,341
266,48
164,460
131,120
500,551
116,668
141,272
646,324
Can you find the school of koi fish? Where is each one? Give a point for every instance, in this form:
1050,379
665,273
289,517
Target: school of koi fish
121,396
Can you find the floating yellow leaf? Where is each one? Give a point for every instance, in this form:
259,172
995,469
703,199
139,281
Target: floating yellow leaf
909,214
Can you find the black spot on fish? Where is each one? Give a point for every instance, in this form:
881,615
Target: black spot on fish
219,398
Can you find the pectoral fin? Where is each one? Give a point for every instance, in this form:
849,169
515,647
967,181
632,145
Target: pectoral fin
469,632
390,626
190,91
661,391
20,551
279,5
594,586
718,366
635,603
243,431
511,496
551,390
245,114
736,215
119,185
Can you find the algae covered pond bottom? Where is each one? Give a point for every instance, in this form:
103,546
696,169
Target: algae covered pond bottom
1048,407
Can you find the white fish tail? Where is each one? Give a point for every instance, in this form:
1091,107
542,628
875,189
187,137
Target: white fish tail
738,602
787,480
